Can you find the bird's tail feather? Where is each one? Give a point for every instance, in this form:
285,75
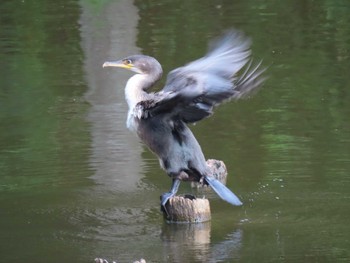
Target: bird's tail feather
222,191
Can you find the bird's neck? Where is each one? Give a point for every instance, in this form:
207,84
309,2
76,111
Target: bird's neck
134,90
134,93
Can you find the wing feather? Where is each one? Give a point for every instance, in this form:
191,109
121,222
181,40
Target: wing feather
192,91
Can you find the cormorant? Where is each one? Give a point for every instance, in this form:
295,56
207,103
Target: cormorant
191,92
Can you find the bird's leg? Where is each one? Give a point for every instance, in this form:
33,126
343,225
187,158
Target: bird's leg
166,196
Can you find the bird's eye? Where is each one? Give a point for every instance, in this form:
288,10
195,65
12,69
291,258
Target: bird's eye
127,61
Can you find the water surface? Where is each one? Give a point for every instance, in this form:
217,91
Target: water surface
75,184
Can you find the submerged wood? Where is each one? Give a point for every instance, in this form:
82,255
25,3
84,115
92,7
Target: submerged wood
102,260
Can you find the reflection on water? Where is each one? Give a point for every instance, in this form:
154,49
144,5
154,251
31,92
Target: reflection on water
179,239
192,243
75,184
116,155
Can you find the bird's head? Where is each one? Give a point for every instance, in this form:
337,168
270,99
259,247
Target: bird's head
139,64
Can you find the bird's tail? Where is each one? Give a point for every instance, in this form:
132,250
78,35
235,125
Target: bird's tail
222,191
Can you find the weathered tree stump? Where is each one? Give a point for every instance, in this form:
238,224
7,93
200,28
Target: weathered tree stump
218,171
187,209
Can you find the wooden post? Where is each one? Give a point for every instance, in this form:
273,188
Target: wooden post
218,171
188,208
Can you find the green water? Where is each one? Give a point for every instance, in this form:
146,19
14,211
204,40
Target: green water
76,185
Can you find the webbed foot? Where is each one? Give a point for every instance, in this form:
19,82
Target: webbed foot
164,198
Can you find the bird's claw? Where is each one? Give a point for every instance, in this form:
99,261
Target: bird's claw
164,198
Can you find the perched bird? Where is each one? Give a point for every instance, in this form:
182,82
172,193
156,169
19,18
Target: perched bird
191,92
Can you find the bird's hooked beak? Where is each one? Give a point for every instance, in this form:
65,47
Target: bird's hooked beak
126,64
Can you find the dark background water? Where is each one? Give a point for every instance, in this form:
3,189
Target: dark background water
75,184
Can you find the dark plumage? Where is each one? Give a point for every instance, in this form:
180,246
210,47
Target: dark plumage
190,94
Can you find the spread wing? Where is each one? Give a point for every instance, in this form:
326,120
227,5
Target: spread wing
192,91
